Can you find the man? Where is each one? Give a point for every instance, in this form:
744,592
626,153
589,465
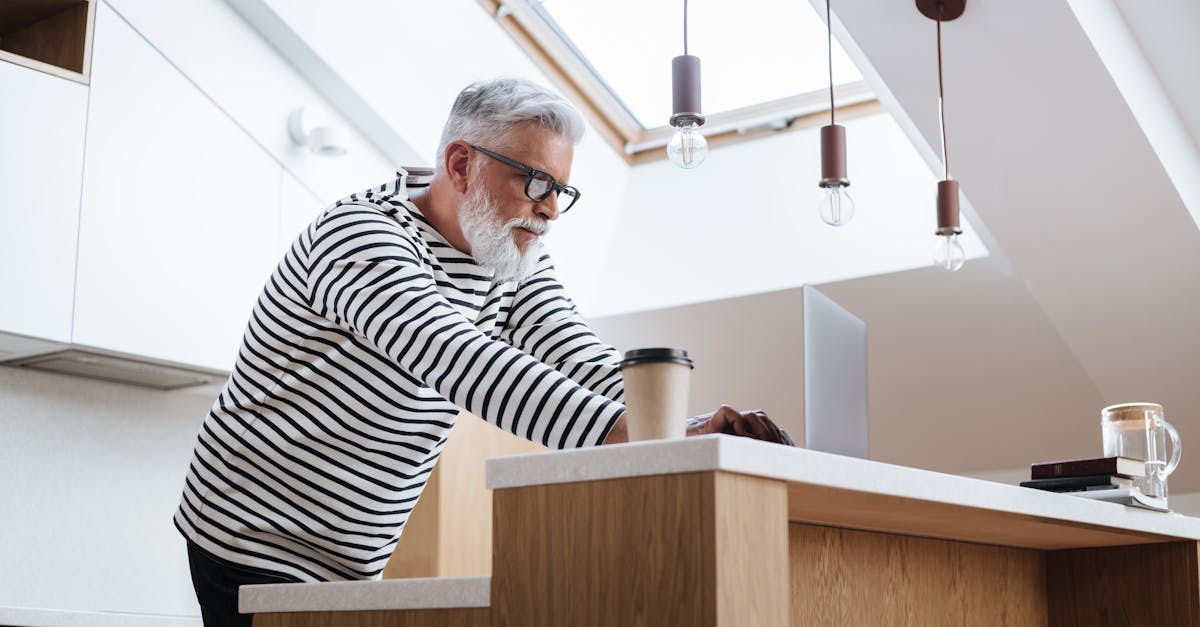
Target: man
386,316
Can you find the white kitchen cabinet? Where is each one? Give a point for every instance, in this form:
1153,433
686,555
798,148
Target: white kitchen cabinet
42,119
259,87
180,212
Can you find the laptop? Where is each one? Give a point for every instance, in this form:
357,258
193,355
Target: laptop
835,377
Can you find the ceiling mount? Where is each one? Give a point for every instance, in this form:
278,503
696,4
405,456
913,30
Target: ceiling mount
950,9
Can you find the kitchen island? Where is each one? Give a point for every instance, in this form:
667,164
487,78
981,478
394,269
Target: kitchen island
718,531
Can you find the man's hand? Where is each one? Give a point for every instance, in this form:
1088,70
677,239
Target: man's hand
750,424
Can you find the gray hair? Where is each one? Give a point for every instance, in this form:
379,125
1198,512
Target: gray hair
486,111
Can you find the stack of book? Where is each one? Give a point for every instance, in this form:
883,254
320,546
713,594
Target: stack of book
1101,478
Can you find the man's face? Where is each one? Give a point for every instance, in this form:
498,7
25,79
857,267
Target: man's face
500,223
537,148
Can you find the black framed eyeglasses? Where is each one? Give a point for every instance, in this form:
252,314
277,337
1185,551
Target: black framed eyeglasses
540,184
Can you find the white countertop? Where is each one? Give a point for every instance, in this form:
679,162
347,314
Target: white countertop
383,594
41,617
821,483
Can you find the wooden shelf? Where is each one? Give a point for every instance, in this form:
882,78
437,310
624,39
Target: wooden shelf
52,36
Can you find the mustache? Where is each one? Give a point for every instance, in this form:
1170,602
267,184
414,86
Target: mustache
541,227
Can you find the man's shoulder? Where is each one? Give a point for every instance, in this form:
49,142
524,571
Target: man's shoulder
365,223
345,213
388,194
389,200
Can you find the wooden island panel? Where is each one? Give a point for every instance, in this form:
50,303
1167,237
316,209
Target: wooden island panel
1152,585
705,549
847,577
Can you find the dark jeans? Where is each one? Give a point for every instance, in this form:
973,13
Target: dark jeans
216,582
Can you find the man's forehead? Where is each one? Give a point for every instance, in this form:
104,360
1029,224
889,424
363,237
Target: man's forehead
542,149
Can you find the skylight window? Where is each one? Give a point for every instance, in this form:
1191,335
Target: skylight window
764,50
765,64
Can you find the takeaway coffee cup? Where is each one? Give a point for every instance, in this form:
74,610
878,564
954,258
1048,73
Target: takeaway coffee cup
656,392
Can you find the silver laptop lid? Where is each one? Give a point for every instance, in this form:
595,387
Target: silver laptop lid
835,377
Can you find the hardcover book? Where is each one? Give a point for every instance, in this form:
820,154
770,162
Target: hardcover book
1121,466
1072,484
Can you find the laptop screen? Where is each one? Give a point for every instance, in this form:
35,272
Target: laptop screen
835,377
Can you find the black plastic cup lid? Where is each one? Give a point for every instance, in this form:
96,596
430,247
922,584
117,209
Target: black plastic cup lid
653,355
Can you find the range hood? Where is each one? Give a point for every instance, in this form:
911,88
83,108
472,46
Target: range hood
95,363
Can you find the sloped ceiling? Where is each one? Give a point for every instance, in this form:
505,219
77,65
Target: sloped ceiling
1165,31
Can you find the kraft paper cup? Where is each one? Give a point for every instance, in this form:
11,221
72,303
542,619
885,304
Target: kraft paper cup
656,392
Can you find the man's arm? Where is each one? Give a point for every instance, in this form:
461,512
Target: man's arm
364,274
545,323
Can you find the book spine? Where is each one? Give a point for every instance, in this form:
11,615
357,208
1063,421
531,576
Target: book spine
1074,469
1067,483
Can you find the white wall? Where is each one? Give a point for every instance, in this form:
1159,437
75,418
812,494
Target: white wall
90,475
746,221
964,370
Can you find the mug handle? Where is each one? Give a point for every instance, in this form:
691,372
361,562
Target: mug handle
1175,449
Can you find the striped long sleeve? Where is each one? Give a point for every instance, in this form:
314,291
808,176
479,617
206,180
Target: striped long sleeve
366,276
364,343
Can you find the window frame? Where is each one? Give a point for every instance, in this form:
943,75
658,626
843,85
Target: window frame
573,75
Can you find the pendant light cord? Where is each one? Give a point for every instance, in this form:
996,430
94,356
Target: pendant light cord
942,96
685,48
829,42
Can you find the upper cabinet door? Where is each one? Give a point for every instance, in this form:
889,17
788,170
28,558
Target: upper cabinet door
180,215
41,163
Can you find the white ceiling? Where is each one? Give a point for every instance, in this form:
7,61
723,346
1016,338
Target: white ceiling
1165,31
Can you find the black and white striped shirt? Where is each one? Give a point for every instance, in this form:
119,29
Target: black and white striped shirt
366,340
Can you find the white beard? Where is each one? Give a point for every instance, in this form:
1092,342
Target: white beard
492,242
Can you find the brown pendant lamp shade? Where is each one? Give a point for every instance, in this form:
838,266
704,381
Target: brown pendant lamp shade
833,156
947,208
685,90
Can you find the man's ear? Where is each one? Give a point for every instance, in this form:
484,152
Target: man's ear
457,160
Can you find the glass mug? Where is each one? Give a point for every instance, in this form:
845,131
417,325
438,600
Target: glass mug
1139,431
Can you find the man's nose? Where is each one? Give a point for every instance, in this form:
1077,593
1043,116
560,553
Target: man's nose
548,207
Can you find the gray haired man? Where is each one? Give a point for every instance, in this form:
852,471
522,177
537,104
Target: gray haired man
389,314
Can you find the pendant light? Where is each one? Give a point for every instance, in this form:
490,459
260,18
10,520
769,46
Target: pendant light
948,252
836,207
687,148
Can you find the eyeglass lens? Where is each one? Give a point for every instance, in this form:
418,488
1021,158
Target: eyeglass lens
540,185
